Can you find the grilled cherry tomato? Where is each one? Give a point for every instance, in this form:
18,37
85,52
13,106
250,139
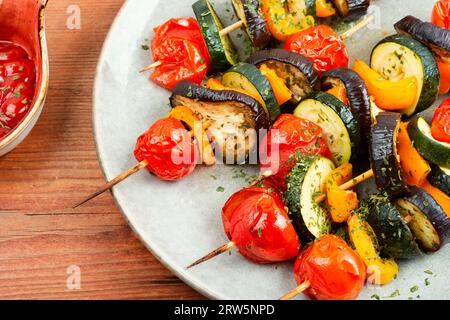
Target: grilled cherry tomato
290,135
440,126
256,221
321,45
179,46
17,86
441,14
334,270
168,149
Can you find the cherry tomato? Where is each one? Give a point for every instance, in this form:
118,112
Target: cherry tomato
168,148
256,221
321,45
179,46
182,28
441,14
17,86
181,60
287,136
440,125
334,270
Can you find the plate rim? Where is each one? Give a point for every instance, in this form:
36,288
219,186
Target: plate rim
152,248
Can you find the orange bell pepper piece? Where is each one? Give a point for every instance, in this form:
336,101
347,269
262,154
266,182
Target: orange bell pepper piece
190,119
281,91
324,9
389,95
340,202
441,198
444,71
415,168
281,22
215,84
339,92
379,271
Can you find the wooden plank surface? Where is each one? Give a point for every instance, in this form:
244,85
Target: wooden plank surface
39,237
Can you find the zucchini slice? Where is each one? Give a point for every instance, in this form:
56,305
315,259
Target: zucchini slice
231,114
437,39
440,178
351,9
304,183
429,223
221,49
357,95
298,71
384,157
340,127
255,25
399,56
394,236
247,77
431,149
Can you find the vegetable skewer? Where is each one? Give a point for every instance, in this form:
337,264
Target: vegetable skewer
347,34
350,184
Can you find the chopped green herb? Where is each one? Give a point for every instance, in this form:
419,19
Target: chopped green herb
220,189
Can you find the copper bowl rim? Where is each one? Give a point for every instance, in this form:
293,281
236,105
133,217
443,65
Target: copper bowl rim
39,101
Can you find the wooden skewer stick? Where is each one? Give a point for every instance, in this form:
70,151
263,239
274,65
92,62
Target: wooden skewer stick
153,65
114,181
126,174
214,253
357,27
231,28
299,289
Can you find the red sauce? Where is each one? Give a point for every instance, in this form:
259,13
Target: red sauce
17,85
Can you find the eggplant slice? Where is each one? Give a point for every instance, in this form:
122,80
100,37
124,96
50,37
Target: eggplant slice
434,37
254,22
429,222
384,157
351,9
298,71
231,114
357,95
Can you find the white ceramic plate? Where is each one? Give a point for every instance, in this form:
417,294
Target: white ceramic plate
179,222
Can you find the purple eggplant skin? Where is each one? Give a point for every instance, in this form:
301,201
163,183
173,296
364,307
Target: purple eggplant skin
383,155
357,95
291,66
434,37
434,212
351,10
195,92
254,22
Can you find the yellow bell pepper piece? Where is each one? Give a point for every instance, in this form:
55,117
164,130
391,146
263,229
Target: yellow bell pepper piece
281,91
389,95
379,271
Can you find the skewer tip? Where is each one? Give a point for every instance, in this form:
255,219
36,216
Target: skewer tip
212,254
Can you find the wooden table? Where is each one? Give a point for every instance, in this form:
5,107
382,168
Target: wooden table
40,238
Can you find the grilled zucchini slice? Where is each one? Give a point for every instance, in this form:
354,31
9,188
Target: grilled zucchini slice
394,236
384,157
431,149
304,183
221,50
399,56
247,77
340,127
